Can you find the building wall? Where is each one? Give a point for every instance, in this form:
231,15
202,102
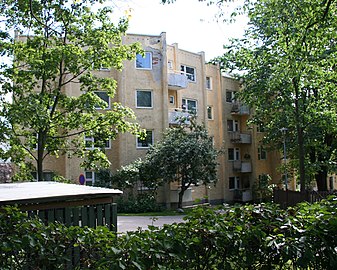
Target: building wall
168,59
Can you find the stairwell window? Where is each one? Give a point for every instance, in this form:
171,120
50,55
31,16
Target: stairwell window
144,99
144,62
210,112
261,153
208,83
147,141
189,72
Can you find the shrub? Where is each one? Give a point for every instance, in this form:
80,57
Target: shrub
232,237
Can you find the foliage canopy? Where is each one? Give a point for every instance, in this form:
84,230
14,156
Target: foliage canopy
59,45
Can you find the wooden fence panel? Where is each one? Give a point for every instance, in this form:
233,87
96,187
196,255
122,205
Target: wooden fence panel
290,198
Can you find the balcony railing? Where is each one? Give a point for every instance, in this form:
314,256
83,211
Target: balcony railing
177,116
240,109
237,137
242,166
177,81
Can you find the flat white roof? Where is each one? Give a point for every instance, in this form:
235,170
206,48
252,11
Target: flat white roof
50,191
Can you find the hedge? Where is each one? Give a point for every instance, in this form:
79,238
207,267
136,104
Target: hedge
259,236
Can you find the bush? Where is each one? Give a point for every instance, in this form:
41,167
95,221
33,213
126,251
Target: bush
140,203
234,237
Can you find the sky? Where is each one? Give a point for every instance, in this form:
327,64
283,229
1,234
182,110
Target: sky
190,23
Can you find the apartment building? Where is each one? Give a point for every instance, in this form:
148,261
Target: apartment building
168,82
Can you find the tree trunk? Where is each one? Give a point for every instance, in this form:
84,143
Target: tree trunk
180,197
40,151
321,179
301,157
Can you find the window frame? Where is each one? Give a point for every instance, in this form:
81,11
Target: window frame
144,107
184,105
171,98
93,178
208,82
140,144
190,77
236,154
261,153
91,140
235,125
232,93
210,112
109,103
140,57
236,182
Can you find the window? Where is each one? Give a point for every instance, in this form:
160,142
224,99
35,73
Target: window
91,142
91,177
208,83
103,96
234,182
170,64
189,105
171,99
230,96
144,62
145,143
233,154
232,125
261,153
209,112
144,99
189,72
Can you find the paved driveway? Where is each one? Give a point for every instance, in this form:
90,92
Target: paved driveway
132,223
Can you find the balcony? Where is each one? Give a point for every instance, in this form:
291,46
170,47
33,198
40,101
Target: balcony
237,137
242,166
240,109
176,116
177,81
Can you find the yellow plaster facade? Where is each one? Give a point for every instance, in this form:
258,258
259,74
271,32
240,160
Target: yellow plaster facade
178,80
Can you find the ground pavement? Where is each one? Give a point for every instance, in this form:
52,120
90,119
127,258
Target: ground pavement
132,223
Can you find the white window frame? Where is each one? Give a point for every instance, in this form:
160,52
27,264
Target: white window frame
185,106
192,77
172,100
91,140
52,174
170,64
236,153
144,107
232,93
236,182
210,111
106,108
235,125
140,58
140,144
92,179
209,83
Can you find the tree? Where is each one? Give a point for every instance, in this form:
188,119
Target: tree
59,44
184,155
287,64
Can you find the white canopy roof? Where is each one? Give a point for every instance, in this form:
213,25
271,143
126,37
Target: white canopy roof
26,192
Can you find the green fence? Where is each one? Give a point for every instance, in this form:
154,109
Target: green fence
87,215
